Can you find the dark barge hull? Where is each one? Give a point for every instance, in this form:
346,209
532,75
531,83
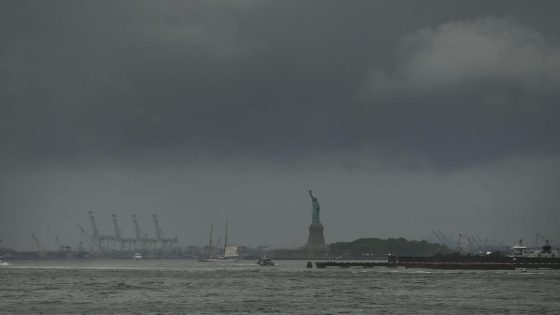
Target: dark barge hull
460,259
452,263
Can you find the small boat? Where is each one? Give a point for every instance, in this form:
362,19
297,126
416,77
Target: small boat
265,261
137,256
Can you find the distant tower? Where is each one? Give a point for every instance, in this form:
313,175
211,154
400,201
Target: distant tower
316,240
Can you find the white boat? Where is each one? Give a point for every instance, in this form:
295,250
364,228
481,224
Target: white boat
137,256
265,261
231,252
518,250
546,252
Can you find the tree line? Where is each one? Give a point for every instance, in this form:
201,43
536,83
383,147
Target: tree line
365,247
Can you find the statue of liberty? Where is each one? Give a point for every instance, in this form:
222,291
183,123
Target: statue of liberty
316,209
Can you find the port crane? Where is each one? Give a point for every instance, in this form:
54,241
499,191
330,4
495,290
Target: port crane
160,238
85,238
36,241
140,239
117,243
40,249
538,237
118,234
95,237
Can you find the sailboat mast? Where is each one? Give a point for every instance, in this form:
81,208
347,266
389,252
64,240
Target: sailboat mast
225,238
210,247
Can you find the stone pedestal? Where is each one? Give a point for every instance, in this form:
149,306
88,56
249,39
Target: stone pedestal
316,240
314,249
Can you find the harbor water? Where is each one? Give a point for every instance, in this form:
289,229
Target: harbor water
191,287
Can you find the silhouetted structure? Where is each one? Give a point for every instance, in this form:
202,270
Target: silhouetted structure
316,240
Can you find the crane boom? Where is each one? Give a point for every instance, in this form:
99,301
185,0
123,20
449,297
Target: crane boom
36,241
159,233
116,226
95,237
137,232
85,237
93,225
225,235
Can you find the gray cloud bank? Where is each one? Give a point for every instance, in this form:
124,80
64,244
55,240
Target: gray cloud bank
429,89
248,78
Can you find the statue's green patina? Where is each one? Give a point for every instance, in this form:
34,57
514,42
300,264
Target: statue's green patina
315,219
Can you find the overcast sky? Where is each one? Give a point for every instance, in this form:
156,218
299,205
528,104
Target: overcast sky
403,117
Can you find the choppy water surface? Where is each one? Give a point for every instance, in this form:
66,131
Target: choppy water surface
182,286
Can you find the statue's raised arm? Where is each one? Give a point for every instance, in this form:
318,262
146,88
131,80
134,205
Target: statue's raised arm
310,194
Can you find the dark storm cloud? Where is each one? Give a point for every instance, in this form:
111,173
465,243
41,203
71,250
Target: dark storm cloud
272,79
478,90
